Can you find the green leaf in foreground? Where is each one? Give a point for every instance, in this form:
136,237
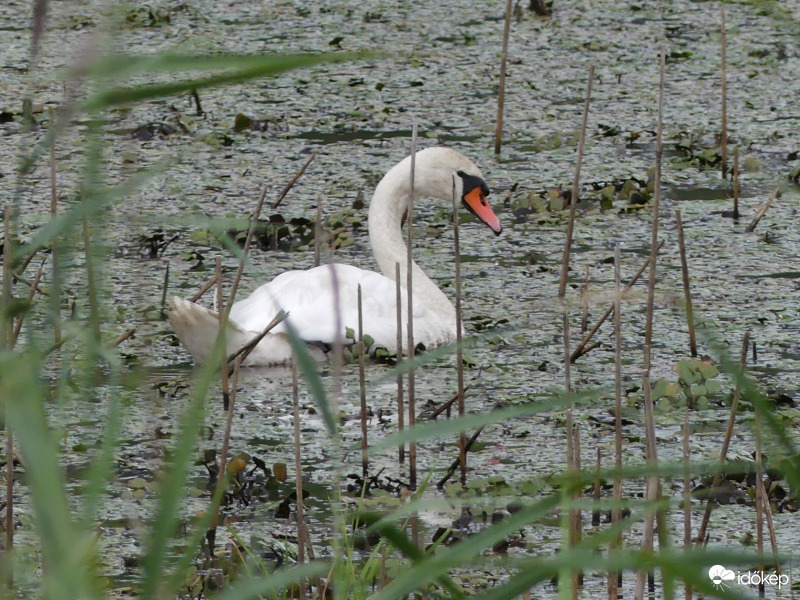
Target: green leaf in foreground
308,367
68,553
232,68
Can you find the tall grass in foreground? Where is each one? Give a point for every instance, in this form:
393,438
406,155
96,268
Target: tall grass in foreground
35,377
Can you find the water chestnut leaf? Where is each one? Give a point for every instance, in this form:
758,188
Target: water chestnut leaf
708,370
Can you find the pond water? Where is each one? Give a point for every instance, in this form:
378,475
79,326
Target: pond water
436,65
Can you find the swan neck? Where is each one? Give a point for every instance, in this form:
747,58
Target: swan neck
386,212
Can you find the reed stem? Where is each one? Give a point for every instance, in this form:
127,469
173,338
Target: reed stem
686,291
298,479
562,285
462,437
400,407
412,408
294,179
501,93
362,387
763,210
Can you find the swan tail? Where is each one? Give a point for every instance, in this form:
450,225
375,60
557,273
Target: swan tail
197,327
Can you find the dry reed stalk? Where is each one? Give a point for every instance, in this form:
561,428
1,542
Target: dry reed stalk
362,388
454,465
298,478
763,210
412,408
562,285
91,284
576,521
289,185
573,455
223,455
462,436
585,302
245,251
573,437
615,579
197,106
596,489
400,408
122,337
724,60
501,93
652,481
54,246
28,282
687,497
164,290
770,528
582,348
572,535
6,324
382,572
726,440
445,406
567,362
225,308
761,500
28,260
207,286
224,366
686,292
736,182
31,294
417,539
245,350
318,234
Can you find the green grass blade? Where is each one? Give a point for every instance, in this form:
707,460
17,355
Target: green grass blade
194,540
67,552
237,68
691,566
167,514
398,538
69,219
446,427
100,470
308,367
464,552
274,582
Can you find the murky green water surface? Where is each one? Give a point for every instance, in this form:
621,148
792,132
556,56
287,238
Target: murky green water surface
440,70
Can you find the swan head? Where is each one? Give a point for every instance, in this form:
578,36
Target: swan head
438,170
473,196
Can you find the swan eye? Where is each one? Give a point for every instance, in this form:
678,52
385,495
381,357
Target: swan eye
471,182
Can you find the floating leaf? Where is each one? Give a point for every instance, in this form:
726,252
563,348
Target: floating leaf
686,373
707,370
279,471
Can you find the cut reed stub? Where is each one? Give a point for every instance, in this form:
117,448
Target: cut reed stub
763,210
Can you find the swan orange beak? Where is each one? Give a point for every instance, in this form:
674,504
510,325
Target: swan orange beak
478,205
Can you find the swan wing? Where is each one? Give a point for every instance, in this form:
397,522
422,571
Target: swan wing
308,297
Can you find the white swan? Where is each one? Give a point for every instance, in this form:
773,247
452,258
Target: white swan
308,296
